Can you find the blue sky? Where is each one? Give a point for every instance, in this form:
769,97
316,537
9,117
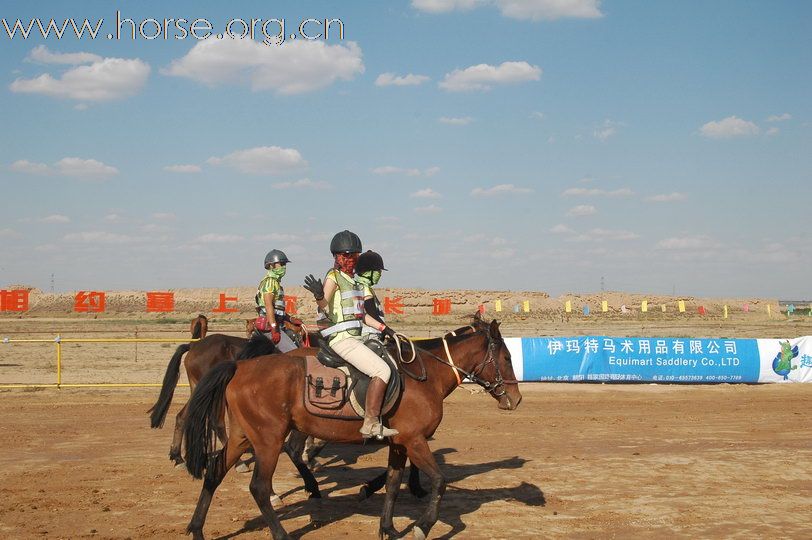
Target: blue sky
487,144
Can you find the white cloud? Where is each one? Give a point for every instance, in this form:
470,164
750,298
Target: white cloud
485,76
55,218
389,169
304,183
164,216
729,127
607,129
498,190
430,209
214,238
262,160
390,79
103,80
668,197
88,169
183,169
427,193
582,210
772,131
8,233
112,218
686,243
103,237
42,55
606,235
456,120
535,10
444,6
294,67
595,192
779,117
561,229
537,115
275,237
29,167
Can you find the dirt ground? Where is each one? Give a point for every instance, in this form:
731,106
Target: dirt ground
574,461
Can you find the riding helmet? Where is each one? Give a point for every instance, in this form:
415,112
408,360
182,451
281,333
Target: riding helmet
369,260
275,256
345,242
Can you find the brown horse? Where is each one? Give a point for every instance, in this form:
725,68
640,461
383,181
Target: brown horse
199,327
264,399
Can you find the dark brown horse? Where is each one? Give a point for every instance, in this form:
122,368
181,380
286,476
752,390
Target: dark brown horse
264,402
199,327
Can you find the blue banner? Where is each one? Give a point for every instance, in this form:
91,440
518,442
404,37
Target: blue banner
612,359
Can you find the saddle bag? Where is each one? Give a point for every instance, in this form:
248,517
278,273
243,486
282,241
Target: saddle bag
330,394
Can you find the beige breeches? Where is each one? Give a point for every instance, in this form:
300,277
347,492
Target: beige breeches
359,355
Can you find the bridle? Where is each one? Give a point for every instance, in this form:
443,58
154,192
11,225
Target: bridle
492,387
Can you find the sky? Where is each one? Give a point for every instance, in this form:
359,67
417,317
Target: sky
546,145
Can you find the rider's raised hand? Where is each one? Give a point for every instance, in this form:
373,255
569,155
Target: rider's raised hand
315,286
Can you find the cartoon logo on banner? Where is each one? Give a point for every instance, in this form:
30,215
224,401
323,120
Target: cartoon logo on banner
782,363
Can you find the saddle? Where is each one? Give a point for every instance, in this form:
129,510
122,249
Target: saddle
334,388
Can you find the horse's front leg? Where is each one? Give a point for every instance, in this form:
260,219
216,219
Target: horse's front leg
394,475
419,452
177,436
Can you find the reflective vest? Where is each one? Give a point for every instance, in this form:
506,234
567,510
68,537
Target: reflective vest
345,310
367,330
273,286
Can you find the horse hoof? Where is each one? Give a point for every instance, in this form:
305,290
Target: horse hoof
418,534
388,533
363,494
276,502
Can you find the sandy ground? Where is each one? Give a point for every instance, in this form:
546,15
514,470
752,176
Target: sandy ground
574,461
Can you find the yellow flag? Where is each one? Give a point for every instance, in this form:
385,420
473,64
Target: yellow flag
725,312
497,305
662,306
769,311
526,306
644,306
568,306
604,306
681,306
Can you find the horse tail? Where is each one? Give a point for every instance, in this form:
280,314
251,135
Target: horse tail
203,417
197,329
258,345
161,407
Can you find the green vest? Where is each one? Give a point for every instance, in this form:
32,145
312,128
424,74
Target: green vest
273,286
345,310
367,330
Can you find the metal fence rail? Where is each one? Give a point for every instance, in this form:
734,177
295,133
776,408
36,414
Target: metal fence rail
58,341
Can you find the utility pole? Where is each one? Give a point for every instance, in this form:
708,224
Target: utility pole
52,283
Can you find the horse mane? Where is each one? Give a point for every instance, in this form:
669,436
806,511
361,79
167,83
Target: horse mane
258,345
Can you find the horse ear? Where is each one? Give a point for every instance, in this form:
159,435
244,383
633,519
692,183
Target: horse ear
494,329
477,316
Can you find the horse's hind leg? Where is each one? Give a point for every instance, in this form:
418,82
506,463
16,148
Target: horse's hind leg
414,483
261,488
221,462
177,436
294,448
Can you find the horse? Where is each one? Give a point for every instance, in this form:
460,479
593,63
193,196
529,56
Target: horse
264,400
199,327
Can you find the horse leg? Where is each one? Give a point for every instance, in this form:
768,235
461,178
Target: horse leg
420,454
223,460
394,475
368,489
313,448
414,483
262,488
294,448
177,436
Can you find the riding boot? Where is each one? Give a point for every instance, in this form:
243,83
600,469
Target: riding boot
372,412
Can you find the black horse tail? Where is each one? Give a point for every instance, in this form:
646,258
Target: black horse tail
197,329
258,345
203,417
161,407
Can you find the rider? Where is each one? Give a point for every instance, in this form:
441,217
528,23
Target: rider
368,273
270,300
341,300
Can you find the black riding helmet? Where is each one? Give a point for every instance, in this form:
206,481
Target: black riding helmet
345,242
275,256
369,260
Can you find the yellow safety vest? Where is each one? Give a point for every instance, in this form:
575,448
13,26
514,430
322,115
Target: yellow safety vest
345,310
366,329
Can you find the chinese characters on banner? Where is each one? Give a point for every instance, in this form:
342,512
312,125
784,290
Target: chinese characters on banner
14,300
222,308
160,301
442,306
89,302
392,305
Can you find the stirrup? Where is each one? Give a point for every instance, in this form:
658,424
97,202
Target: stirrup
377,430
